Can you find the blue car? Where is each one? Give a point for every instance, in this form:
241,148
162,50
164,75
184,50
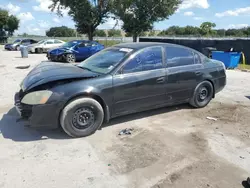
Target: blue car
18,43
76,50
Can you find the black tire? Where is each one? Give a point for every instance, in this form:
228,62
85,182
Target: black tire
82,117
18,48
70,58
39,50
203,94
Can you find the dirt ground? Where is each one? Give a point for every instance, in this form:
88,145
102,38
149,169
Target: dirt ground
169,148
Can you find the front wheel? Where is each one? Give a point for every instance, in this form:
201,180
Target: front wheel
39,50
18,48
203,94
82,117
70,58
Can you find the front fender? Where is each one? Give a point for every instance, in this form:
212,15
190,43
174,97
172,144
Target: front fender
98,88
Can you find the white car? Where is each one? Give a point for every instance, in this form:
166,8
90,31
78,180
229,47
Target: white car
44,45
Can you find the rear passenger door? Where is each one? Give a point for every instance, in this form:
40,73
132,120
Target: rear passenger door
184,72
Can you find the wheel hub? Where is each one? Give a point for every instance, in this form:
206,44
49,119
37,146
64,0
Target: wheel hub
203,93
71,58
83,118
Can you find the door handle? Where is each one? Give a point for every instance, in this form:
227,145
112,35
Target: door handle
160,80
198,73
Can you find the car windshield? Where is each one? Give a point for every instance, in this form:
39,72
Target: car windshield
70,44
105,61
41,41
16,41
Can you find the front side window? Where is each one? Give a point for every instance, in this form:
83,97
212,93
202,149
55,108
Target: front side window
148,59
177,56
57,41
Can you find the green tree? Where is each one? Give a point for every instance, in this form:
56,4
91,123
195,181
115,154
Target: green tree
8,24
191,30
247,31
12,25
114,33
221,32
4,15
87,14
235,32
100,33
206,28
151,33
139,16
62,31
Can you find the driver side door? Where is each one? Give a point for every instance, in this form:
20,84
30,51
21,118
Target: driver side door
83,51
141,82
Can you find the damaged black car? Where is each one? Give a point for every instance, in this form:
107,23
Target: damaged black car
119,80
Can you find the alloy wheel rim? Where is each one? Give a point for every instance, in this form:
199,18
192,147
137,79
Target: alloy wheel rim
71,58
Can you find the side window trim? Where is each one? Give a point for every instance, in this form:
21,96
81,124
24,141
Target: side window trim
118,71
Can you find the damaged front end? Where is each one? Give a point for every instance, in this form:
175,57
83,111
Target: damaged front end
40,106
38,100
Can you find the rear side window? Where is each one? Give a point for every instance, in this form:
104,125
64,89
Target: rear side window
49,42
57,41
148,59
177,56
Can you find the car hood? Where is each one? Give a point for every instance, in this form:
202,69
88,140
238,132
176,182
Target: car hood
49,72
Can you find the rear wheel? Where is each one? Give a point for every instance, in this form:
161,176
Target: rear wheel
82,117
70,58
18,48
203,94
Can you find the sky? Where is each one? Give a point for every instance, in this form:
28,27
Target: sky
36,18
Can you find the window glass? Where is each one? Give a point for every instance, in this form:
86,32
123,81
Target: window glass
197,58
148,59
25,41
177,56
84,44
49,42
57,41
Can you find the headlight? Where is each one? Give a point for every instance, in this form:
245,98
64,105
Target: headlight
37,97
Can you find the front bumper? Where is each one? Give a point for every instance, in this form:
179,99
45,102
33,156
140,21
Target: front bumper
53,57
46,115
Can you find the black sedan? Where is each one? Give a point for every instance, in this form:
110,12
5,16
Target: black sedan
119,80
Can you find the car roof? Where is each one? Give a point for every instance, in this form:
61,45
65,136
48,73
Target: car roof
141,45
78,41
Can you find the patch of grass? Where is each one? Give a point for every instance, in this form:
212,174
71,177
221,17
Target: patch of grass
241,66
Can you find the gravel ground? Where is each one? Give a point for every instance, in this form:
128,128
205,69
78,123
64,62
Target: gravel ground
170,147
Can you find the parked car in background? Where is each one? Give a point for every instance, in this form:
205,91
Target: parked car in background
44,45
76,50
18,43
119,80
